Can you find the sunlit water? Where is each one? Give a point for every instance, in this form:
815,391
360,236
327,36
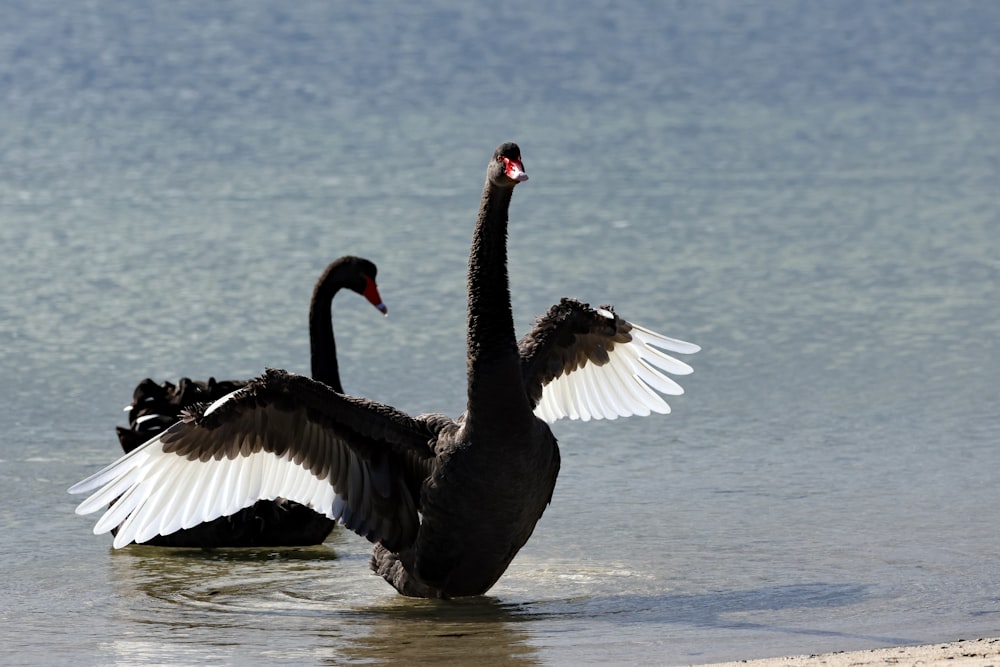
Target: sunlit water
809,191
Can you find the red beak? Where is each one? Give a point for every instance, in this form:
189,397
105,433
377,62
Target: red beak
374,298
514,170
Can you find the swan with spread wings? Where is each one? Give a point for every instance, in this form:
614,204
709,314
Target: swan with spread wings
446,503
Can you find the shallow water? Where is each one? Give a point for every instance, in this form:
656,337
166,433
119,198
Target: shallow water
807,191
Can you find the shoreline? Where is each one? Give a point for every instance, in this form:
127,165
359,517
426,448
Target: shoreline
964,652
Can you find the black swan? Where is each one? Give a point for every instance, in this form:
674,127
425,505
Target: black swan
446,503
277,522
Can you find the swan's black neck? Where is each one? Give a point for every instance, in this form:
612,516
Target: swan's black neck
322,345
496,393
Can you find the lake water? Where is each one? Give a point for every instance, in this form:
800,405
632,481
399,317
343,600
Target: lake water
808,190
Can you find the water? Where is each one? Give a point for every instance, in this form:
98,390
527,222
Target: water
808,191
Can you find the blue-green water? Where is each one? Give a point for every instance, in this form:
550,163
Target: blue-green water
808,190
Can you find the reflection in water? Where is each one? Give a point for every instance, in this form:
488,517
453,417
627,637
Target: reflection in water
413,631
197,578
176,604
309,606
295,605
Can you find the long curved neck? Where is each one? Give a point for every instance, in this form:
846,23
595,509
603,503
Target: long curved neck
495,391
322,346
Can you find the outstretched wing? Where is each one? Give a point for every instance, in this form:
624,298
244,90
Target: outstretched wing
282,436
585,363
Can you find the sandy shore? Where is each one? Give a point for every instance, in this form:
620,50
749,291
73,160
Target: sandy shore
967,653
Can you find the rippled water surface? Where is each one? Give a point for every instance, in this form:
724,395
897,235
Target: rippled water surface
807,190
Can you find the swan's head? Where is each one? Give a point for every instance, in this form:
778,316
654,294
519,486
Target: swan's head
356,274
506,168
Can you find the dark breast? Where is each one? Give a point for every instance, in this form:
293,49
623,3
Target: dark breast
479,508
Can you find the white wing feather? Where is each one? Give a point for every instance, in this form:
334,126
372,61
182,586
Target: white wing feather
626,385
157,493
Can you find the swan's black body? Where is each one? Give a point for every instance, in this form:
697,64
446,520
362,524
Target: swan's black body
494,469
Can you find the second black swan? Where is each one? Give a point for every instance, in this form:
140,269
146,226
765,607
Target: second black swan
270,522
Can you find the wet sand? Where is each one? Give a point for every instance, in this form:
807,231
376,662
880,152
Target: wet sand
966,653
